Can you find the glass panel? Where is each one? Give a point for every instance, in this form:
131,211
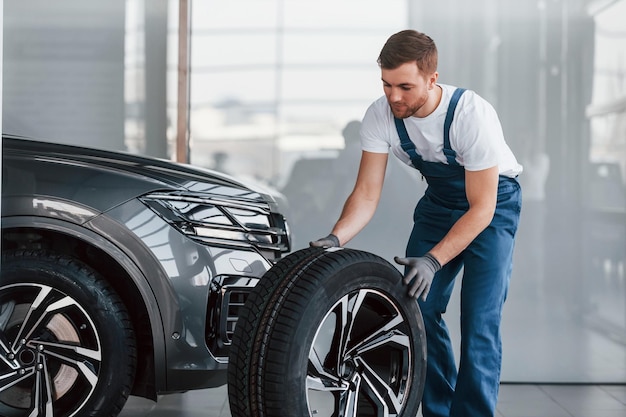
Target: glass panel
608,108
331,85
234,15
347,15
334,48
605,185
251,88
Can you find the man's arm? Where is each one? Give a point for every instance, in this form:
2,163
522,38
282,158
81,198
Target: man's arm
481,188
362,202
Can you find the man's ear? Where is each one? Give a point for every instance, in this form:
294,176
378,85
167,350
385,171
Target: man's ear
432,80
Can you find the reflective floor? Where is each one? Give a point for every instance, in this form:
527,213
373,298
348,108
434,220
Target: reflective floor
515,401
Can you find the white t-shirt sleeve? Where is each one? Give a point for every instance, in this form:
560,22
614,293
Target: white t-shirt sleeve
476,133
374,136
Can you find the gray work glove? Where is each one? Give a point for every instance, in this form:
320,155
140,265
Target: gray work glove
330,241
419,274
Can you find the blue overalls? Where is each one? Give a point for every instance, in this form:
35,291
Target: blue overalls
487,263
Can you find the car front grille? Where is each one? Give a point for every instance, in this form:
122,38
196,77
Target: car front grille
226,300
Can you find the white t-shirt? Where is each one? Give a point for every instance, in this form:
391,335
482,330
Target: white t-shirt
475,134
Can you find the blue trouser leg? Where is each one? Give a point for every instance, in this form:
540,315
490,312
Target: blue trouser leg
431,224
483,291
441,372
487,271
487,265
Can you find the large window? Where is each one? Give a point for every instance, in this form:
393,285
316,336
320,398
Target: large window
606,179
608,108
281,80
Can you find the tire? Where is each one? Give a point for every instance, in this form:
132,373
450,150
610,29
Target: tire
328,332
66,341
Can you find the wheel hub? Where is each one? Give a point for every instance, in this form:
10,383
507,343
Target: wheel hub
27,357
347,369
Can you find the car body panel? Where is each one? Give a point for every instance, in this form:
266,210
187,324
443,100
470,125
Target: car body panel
102,179
190,268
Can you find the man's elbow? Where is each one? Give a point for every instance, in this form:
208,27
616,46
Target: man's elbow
484,215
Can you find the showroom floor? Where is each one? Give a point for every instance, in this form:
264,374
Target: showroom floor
525,400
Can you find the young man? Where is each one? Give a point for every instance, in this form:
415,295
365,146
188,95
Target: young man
467,217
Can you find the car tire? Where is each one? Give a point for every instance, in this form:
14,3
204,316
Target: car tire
328,332
66,341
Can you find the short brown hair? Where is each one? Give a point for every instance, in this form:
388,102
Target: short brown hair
409,46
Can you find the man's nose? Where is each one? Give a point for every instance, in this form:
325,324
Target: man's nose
395,95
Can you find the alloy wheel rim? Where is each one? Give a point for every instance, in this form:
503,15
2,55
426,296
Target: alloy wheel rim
50,352
360,361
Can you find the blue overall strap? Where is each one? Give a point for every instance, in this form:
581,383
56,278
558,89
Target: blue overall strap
407,145
447,149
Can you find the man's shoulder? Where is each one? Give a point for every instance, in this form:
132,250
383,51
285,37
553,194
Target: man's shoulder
469,96
379,111
377,127
380,104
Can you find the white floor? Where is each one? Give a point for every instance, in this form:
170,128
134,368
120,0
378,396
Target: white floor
516,400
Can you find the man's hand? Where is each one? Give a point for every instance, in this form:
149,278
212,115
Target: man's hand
419,275
330,241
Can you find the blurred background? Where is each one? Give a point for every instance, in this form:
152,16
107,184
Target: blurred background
272,91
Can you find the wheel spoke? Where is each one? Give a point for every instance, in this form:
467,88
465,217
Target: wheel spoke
379,391
8,379
385,334
318,378
84,360
393,337
348,402
325,384
34,318
6,311
348,309
42,395
7,356
5,353
324,391
328,351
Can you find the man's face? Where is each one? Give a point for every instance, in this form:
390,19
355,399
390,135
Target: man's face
407,89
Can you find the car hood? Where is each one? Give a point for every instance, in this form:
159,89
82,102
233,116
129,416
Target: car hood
102,179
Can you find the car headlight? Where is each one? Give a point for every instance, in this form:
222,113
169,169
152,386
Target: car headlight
219,221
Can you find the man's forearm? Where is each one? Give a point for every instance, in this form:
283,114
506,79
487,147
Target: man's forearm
464,231
356,213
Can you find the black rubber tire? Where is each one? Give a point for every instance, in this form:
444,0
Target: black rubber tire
83,346
284,323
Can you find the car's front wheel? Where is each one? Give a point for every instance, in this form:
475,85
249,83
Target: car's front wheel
66,342
328,332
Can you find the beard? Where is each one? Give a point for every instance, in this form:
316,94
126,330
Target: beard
403,110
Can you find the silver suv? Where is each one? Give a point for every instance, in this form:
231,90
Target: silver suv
121,275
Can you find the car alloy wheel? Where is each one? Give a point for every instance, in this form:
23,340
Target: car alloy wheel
328,332
66,344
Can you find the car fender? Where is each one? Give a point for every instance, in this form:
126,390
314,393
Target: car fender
154,287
